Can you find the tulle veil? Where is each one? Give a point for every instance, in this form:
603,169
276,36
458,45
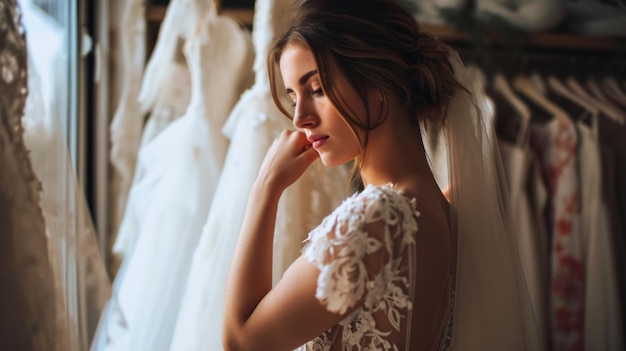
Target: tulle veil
492,309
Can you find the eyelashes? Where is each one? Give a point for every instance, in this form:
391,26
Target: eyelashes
316,93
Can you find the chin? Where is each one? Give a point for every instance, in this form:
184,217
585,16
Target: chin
332,162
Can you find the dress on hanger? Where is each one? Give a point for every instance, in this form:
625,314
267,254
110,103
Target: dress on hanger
168,204
521,168
181,21
32,318
163,90
613,137
528,195
218,102
169,98
252,126
127,121
556,145
603,320
173,98
77,265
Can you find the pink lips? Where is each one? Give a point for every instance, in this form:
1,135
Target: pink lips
317,140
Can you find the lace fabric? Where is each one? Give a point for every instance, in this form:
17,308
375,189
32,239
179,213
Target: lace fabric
349,257
77,267
52,273
32,317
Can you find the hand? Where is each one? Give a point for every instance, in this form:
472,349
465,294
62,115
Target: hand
286,160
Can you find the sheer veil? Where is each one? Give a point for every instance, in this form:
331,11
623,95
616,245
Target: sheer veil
492,308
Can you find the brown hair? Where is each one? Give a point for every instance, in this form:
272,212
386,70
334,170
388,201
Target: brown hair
376,44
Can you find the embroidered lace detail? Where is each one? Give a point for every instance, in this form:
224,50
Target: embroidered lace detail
362,251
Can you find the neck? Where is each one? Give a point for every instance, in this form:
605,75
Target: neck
395,154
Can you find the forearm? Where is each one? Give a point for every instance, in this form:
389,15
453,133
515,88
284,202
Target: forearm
250,276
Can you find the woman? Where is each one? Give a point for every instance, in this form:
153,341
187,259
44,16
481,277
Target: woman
361,83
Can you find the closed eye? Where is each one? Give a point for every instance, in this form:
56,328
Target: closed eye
292,96
318,92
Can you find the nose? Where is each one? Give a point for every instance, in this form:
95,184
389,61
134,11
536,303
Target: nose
304,116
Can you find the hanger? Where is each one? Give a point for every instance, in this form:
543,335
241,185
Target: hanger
539,84
605,109
612,89
501,86
210,14
558,87
596,90
526,87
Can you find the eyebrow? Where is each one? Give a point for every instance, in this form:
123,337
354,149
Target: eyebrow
304,79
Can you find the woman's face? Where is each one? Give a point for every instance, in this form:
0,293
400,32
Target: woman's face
314,113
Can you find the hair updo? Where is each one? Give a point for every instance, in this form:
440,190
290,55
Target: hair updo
377,44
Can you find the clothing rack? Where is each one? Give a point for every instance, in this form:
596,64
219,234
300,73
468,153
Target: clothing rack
511,53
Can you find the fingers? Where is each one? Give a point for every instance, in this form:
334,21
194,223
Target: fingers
289,155
309,154
305,150
295,141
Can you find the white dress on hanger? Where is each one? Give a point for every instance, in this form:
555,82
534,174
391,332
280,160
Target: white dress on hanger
526,189
163,91
173,98
252,126
229,59
32,319
77,266
127,122
168,204
180,22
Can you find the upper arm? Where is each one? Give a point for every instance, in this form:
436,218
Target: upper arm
290,314
319,289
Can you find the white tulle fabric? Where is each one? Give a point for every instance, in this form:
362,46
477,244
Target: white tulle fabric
163,91
222,54
357,264
180,22
168,204
252,126
127,121
492,308
77,266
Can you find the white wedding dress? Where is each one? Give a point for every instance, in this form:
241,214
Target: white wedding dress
77,266
163,92
127,121
168,204
32,316
252,126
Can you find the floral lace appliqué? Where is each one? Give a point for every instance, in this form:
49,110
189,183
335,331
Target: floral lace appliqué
371,268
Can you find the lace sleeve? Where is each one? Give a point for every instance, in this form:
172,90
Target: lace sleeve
352,247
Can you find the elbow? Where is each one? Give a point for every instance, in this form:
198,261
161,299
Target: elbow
230,342
229,345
